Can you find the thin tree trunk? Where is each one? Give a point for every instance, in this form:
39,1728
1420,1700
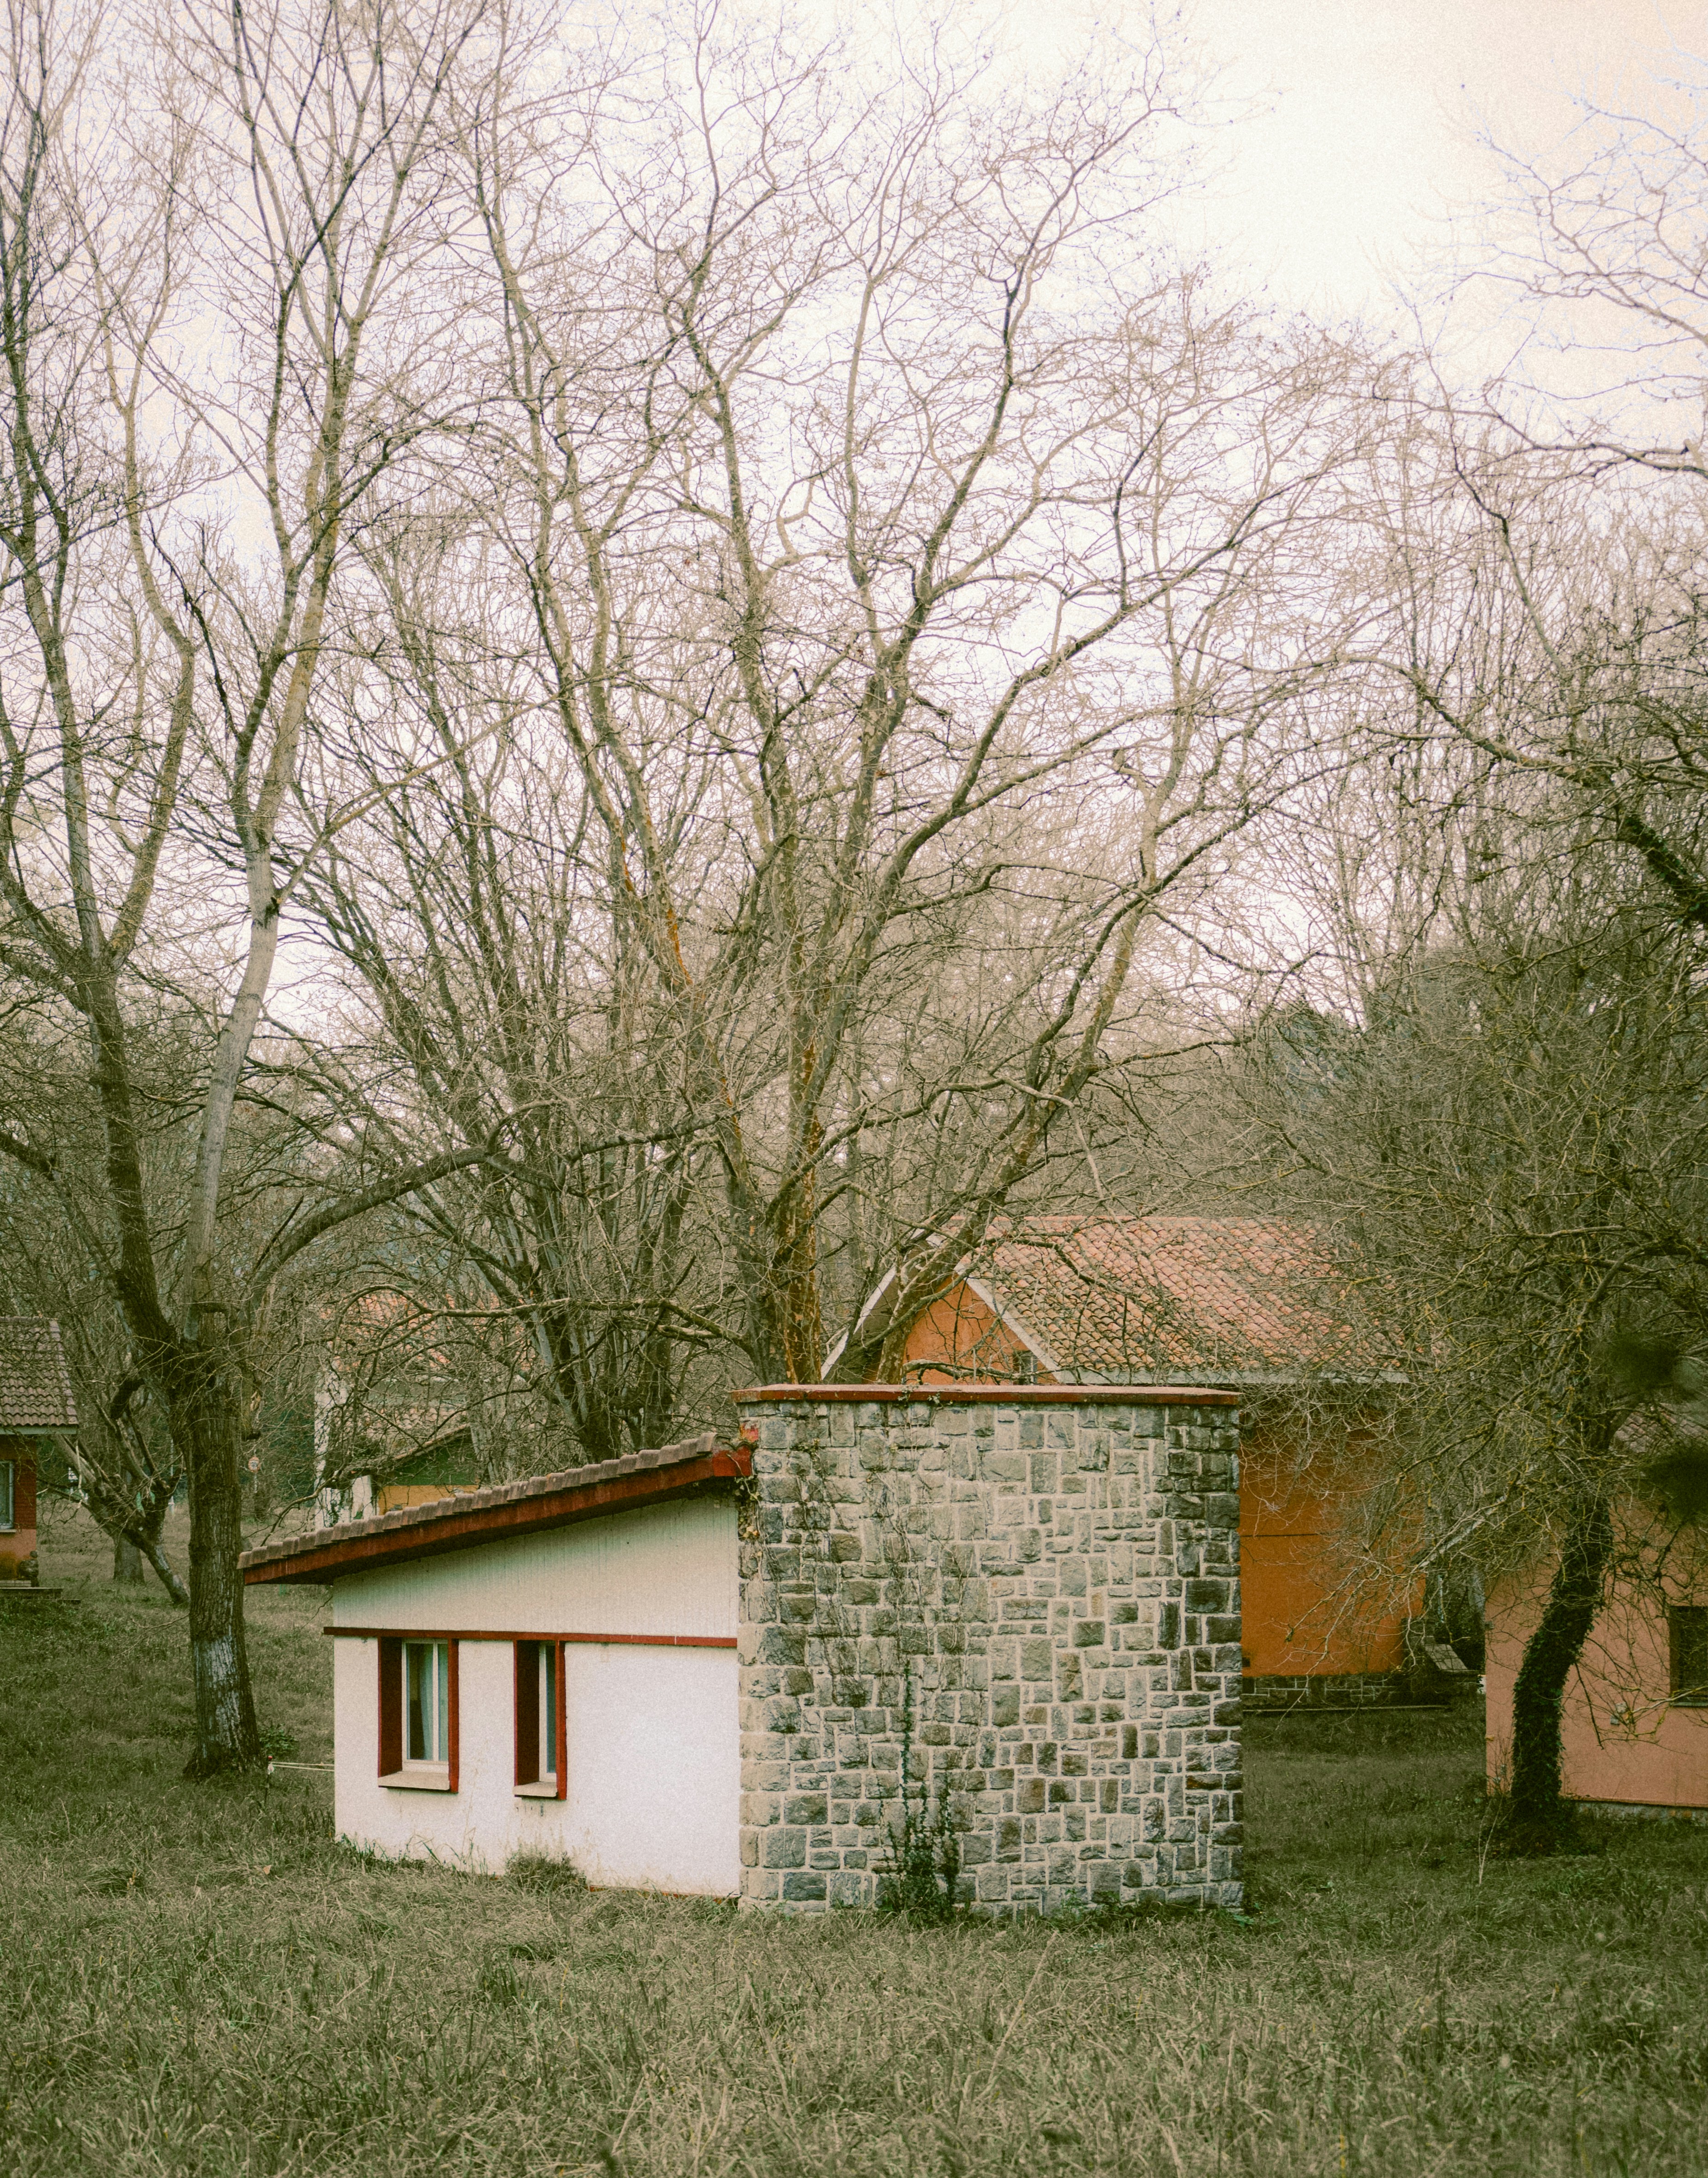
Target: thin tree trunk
1540,1818
169,1580
206,1421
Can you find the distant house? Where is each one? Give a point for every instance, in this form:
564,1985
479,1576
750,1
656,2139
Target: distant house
37,1406
447,1467
1635,1720
1253,1304
390,1433
708,1669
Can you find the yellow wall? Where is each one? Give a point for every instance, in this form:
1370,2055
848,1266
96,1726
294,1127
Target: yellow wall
391,1497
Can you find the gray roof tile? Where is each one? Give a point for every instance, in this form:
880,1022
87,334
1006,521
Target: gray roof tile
34,1384
473,1500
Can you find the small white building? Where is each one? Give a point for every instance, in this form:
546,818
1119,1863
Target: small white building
713,1669
544,1668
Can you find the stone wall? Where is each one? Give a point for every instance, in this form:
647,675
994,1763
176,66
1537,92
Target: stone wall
1055,1570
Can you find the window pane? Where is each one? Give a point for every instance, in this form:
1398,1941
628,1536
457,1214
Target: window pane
441,1671
419,1665
6,1473
1690,1653
548,1710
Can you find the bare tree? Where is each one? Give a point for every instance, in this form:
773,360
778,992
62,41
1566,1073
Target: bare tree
1506,1117
896,605
124,1466
205,302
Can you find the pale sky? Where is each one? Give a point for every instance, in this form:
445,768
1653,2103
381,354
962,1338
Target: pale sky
1362,115
1375,109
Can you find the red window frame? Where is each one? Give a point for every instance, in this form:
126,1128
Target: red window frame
526,1704
391,1713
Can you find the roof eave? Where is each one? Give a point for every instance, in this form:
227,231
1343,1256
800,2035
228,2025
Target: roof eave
1239,1380
335,1554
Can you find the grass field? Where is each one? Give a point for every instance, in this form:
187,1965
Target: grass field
195,1979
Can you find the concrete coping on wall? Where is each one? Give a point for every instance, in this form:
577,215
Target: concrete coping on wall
1005,1395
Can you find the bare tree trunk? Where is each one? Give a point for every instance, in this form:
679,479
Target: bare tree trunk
1540,1818
207,1421
169,1580
127,1563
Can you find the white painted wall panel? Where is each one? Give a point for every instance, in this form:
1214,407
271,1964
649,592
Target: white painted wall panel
654,1768
654,1762
654,1771
664,1569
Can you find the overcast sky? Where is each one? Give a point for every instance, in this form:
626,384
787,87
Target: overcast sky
1375,107
1363,116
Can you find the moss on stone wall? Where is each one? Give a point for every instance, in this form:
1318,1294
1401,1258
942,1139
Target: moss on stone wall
1061,1583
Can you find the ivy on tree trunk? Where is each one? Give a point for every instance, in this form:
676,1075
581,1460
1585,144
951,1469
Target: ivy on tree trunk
1541,1817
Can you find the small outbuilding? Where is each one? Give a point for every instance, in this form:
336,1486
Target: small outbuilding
37,1406
718,1668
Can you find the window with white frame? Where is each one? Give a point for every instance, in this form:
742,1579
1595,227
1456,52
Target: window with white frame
426,1704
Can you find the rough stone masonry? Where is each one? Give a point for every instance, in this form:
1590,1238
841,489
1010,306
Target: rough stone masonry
1056,1569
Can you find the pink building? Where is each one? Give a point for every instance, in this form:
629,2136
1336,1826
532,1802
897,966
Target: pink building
1635,1724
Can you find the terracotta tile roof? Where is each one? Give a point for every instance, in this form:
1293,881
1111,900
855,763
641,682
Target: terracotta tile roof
473,1516
34,1384
1126,1300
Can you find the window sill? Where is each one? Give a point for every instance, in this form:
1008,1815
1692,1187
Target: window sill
429,1778
544,1789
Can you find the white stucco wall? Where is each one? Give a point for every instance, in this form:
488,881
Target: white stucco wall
664,1569
653,1742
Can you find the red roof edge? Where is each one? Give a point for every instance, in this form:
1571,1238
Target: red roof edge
453,1524
1004,1395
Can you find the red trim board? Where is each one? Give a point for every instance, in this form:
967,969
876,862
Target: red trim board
462,1633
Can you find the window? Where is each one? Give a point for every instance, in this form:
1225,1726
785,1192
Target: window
427,1702
540,1764
8,1473
1688,1626
418,1713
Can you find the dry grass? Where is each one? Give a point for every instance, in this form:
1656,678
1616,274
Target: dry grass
196,1979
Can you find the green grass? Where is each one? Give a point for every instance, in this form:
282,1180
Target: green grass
195,1979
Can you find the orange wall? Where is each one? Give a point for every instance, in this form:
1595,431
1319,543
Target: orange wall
957,1337
1622,1739
1305,1611
1299,1617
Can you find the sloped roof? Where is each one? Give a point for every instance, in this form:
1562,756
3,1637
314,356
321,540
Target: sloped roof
35,1393
1125,1300
507,1508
